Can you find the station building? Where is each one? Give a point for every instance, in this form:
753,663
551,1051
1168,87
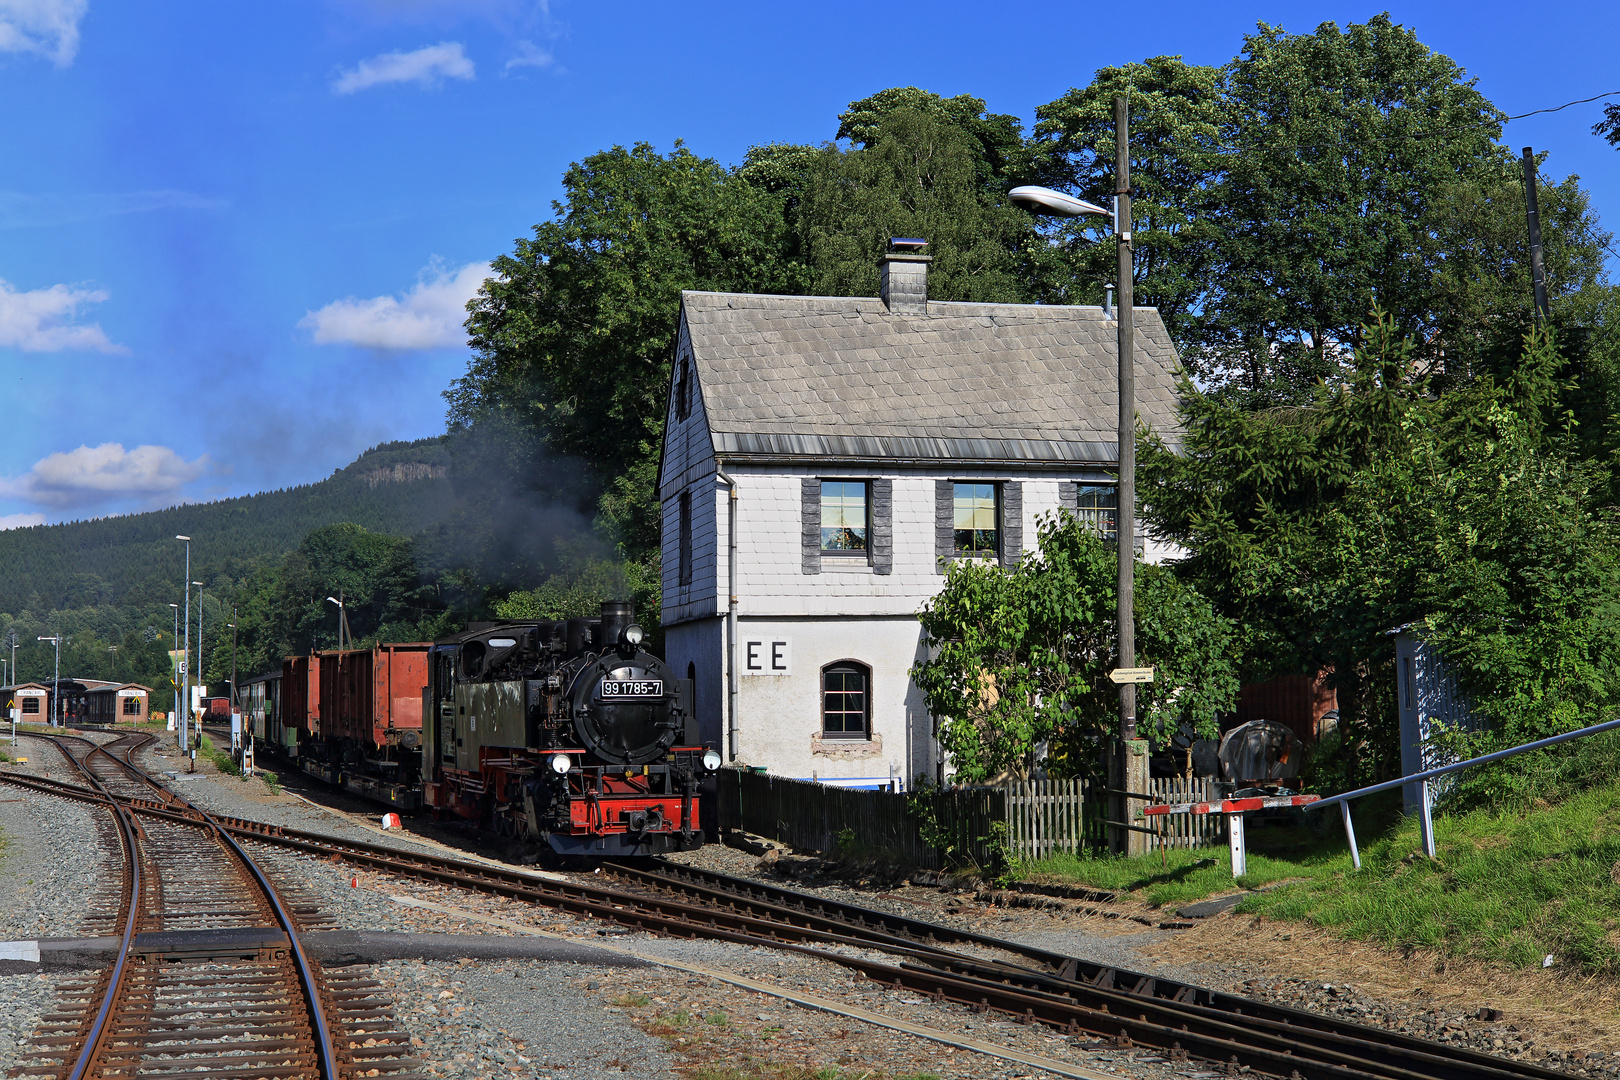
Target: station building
79,701
825,457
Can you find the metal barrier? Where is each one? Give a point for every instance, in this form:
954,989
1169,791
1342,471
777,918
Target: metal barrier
1426,819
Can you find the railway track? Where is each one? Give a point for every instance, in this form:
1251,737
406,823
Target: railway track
1119,1007
210,978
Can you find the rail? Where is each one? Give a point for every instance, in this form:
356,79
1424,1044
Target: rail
307,982
1421,779
127,834
1030,985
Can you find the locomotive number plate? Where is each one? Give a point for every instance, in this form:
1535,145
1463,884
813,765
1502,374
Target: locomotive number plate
632,688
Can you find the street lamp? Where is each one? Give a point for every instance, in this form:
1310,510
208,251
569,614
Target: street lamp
343,620
1046,201
201,689
184,729
56,685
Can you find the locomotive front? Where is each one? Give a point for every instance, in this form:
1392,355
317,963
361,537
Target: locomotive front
568,733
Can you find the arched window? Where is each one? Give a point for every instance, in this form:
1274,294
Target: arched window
846,700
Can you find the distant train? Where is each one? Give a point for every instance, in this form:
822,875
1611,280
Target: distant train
565,733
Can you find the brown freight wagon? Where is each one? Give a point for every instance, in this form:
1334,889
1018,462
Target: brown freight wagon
360,719
300,701
374,696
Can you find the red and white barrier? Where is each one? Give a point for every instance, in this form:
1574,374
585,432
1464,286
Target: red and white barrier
1232,806
1234,809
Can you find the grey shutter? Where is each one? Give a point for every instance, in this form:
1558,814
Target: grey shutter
944,519
1069,495
882,526
810,523
1012,522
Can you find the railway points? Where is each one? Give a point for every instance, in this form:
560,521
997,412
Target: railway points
933,963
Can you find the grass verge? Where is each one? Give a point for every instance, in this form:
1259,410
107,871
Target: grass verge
221,758
1508,888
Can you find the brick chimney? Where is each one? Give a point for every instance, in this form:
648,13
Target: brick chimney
904,281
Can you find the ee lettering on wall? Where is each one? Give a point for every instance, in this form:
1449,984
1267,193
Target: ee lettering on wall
767,656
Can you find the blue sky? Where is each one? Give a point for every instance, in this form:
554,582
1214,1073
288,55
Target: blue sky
235,238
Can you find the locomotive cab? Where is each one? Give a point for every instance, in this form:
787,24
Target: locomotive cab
567,734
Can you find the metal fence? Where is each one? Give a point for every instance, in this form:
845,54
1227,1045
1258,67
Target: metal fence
1043,817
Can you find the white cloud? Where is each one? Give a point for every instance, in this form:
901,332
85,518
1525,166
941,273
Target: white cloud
20,521
530,55
99,474
428,317
40,320
47,27
427,66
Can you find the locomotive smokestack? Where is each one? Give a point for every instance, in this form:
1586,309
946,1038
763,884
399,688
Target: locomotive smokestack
616,615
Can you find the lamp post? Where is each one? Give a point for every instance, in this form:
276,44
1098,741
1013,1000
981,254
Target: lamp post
343,619
185,657
1047,201
56,684
201,686
236,733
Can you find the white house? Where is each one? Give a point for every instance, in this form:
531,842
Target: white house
824,456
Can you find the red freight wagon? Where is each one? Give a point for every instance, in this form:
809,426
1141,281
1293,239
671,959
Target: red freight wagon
301,700
374,696
361,720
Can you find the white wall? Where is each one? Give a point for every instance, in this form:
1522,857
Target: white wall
781,714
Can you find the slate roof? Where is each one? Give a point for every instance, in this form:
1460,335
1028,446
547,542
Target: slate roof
842,377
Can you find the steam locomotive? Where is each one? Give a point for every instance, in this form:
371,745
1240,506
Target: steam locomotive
563,733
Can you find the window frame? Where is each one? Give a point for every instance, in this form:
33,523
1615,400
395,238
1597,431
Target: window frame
34,700
994,554
683,389
683,557
847,666
1092,516
131,707
864,552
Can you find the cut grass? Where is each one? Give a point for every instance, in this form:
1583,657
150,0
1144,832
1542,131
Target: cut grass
1179,877
1505,888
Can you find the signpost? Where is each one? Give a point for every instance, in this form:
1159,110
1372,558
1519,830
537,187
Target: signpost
1123,675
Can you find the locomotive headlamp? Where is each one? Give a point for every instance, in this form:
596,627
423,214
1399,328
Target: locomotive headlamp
711,760
561,763
633,634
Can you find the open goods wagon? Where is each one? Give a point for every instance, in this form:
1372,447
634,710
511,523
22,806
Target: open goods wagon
358,716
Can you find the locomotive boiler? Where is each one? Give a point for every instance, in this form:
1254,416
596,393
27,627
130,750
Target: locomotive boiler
565,733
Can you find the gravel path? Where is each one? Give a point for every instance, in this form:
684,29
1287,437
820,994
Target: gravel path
479,1019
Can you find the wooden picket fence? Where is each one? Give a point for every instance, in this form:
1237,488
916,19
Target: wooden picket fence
1184,830
1046,817
816,817
1043,817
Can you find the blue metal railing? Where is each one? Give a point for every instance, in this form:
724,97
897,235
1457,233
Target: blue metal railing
1426,821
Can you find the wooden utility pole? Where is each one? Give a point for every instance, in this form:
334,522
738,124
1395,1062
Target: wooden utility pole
1130,771
1538,275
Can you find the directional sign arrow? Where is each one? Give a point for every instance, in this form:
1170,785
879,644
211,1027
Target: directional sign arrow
1131,675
